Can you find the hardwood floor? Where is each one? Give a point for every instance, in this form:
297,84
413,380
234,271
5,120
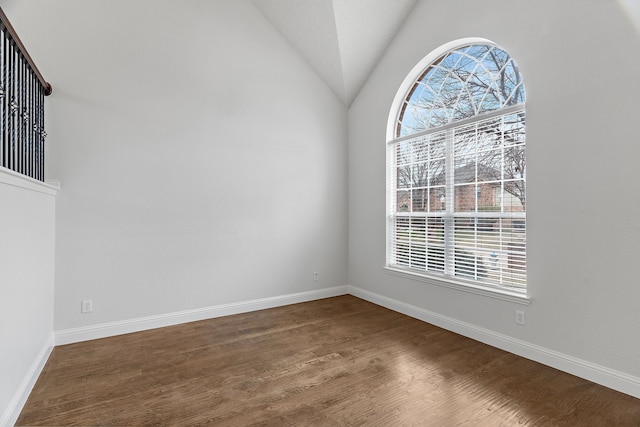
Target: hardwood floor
332,362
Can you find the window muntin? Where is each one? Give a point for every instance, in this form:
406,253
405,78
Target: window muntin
463,83
457,171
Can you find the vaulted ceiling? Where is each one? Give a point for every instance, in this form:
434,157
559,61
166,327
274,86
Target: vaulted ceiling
633,10
341,39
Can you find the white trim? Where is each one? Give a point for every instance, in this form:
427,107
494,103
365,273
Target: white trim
12,411
15,179
86,333
611,378
497,293
599,374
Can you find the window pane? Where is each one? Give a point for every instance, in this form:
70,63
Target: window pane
418,256
435,245
420,175
468,264
450,91
495,60
403,201
465,198
437,146
492,250
435,259
465,68
482,198
511,79
478,51
450,60
515,162
402,253
488,197
401,241
517,96
436,173
420,200
439,116
404,153
421,148
513,196
418,243
403,177
462,84
436,78
491,101
490,167
435,231
465,169
465,142
489,134
513,128
438,199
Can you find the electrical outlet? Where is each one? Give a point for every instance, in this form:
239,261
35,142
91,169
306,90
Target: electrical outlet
87,306
316,276
520,318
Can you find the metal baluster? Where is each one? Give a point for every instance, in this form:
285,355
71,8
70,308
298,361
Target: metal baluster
29,125
13,106
22,92
22,148
43,134
32,124
21,135
3,97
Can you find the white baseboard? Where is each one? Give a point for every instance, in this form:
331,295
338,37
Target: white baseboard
611,378
12,412
607,377
70,336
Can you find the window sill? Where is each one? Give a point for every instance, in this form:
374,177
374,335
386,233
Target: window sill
15,179
486,291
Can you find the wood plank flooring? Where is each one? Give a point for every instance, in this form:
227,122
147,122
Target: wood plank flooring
334,362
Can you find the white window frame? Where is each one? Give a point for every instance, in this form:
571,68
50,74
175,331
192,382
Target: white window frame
448,279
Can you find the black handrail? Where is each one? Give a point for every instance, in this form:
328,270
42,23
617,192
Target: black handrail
8,28
22,92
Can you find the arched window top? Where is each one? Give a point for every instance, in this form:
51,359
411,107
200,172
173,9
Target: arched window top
456,169
465,82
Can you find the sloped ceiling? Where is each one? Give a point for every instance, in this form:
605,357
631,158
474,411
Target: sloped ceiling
341,39
632,7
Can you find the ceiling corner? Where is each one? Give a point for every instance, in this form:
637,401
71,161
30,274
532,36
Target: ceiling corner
342,40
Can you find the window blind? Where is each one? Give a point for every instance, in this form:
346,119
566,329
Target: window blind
457,201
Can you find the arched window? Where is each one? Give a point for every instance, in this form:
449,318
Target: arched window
457,170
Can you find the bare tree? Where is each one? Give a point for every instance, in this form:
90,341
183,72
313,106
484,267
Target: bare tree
421,166
465,84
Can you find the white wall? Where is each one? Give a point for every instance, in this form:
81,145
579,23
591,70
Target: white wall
202,161
580,61
27,235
